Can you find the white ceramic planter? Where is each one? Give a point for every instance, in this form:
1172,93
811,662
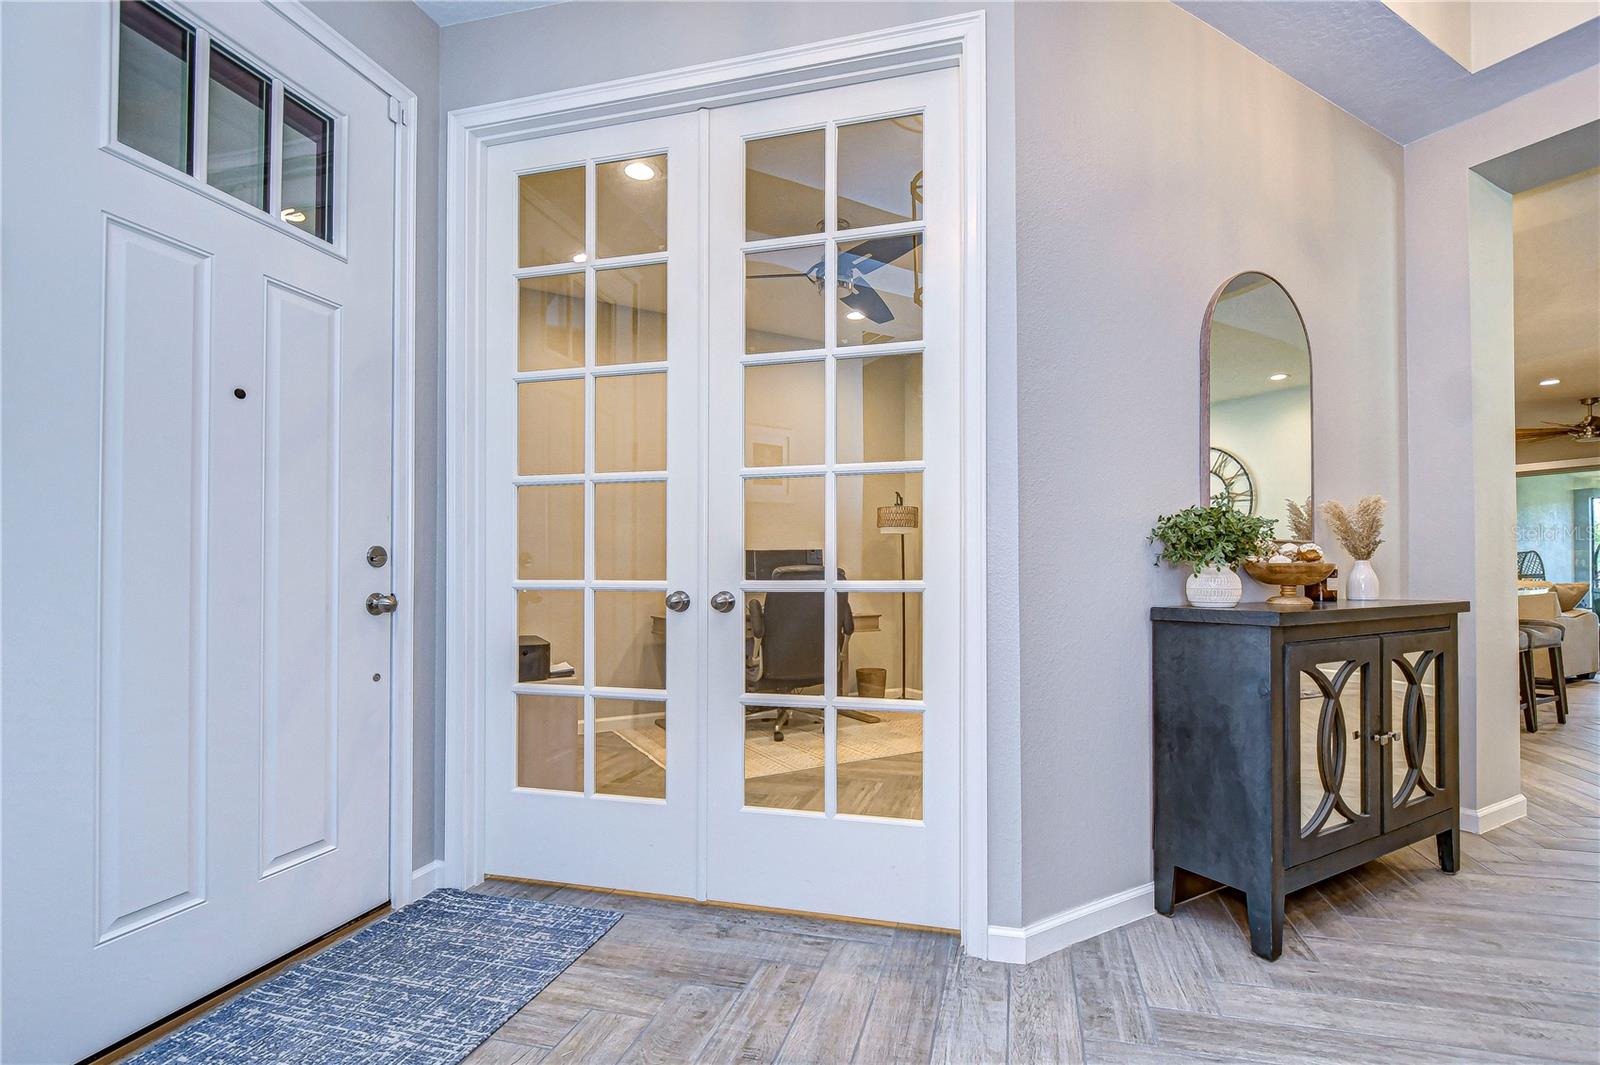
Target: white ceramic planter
1362,582
1214,586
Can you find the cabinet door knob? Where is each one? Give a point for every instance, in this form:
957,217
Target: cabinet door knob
1386,738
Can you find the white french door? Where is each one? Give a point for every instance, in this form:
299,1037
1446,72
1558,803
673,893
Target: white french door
593,507
831,704
790,739
199,347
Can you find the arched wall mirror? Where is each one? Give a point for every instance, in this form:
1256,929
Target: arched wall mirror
1255,395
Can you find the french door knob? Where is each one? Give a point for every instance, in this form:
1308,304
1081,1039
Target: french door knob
381,603
722,602
678,602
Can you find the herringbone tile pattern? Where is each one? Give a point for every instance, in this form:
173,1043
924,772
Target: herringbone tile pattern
1393,962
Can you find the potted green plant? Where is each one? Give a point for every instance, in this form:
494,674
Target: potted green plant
1212,541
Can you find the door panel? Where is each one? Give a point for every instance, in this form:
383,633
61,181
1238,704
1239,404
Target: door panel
1331,705
197,446
594,508
831,712
1419,759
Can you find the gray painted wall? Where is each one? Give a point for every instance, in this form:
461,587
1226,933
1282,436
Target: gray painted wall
1152,159
406,43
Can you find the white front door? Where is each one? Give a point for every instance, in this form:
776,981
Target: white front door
593,508
790,739
198,351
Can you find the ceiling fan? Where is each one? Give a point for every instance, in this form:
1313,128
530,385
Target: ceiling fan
1586,430
854,266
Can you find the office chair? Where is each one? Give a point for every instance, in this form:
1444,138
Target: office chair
783,643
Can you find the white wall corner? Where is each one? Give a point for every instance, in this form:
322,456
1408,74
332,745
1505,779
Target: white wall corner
1494,815
1018,946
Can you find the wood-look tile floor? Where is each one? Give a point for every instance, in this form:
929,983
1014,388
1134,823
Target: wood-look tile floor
1390,962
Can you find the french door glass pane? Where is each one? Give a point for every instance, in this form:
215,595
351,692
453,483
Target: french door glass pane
550,637
630,531
786,651
306,200
783,300
237,130
550,322
880,764
631,206
784,185
880,409
784,514
880,290
880,526
631,315
550,742
630,414
551,218
786,774
630,650
630,748
550,427
783,413
550,532
888,639
880,172
155,84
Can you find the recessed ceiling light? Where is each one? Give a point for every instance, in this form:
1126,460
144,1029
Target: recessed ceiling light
292,215
1548,381
855,316
1279,377
580,258
639,171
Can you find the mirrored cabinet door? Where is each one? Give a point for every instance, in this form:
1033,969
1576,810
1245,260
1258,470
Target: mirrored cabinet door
1417,742
1331,773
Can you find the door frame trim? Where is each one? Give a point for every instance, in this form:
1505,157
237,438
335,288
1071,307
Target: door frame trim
406,883
956,41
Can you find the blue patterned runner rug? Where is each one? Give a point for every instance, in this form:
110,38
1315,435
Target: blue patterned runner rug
423,986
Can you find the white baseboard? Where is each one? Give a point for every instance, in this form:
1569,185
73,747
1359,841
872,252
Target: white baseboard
1494,815
427,878
1019,946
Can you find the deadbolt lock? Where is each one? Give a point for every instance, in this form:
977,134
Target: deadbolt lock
377,556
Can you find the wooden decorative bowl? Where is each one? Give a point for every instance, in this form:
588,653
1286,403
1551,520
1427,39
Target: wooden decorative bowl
1290,577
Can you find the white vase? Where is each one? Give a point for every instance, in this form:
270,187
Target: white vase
1213,586
1362,582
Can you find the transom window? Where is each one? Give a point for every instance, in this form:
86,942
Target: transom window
223,136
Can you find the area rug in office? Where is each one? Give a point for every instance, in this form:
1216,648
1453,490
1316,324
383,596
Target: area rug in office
424,986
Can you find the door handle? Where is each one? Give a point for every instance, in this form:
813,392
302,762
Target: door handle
722,602
381,603
678,602
1386,738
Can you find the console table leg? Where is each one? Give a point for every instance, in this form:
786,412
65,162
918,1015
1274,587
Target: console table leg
1449,849
1264,908
1166,889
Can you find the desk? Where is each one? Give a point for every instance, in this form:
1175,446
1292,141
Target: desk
864,623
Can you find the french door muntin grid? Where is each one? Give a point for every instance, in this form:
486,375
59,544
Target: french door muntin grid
589,373
832,699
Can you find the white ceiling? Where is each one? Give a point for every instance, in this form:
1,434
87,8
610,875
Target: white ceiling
451,12
1370,61
1556,256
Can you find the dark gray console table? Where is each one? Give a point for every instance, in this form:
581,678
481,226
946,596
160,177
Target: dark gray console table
1291,745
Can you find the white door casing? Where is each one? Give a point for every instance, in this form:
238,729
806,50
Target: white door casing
197,732
580,826
955,43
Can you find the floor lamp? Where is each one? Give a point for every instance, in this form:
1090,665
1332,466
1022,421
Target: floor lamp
899,519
